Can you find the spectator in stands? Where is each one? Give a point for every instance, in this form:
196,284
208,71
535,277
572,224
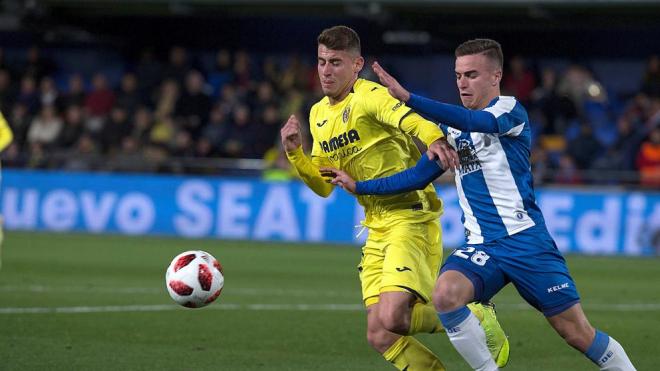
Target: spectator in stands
166,99
567,172
149,74
585,148
142,124
240,139
75,94
115,129
36,65
28,94
19,121
129,158
267,127
221,73
7,95
100,100
128,96
73,127
178,65
648,160
216,129
48,94
194,104
519,81
45,128
242,70
651,80
85,156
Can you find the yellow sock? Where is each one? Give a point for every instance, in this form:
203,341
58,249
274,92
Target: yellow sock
424,319
409,354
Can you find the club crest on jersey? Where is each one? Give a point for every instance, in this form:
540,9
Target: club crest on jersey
467,155
345,115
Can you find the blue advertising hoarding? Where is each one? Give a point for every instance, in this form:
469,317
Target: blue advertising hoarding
582,221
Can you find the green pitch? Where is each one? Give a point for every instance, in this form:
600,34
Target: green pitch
79,302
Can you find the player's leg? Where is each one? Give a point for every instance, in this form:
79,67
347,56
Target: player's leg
543,280
410,268
600,348
404,352
468,275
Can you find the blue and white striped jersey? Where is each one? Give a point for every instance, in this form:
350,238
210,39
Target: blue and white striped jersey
494,181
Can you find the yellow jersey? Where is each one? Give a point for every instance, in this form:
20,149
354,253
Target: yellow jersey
364,136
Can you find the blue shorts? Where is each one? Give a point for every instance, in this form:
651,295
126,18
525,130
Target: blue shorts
529,259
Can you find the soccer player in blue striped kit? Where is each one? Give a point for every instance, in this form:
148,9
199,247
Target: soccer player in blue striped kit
507,240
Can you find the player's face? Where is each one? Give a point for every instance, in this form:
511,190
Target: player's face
478,80
337,70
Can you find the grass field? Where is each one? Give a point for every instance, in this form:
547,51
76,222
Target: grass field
80,302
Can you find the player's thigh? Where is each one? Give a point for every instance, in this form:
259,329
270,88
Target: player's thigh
370,268
539,272
412,258
480,266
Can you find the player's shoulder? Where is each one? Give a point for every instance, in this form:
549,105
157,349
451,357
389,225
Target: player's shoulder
507,105
364,87
319,106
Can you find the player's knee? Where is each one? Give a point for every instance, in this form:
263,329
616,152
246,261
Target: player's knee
395,319
378,339
448,296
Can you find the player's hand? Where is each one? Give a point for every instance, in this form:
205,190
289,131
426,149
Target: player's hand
338,177
393,87
290,132
442,151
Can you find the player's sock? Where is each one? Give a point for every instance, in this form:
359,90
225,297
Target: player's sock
608,354
424,319
468,338
409,354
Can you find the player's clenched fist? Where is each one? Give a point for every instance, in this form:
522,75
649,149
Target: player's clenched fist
290,132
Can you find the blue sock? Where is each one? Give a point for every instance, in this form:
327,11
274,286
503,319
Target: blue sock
598,347
454,318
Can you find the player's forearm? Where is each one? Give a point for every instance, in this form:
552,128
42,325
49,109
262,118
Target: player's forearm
419,127
457,117
309,173
417,177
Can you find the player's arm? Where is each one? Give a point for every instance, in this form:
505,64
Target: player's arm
391,112
6,135
307,169
455,116
414,178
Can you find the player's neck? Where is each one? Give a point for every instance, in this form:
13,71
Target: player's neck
489,98
344,93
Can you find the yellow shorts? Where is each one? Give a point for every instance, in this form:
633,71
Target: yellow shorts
404,257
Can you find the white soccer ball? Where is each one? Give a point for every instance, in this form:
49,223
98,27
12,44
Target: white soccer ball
194,279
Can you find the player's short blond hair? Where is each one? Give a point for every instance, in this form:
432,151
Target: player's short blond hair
490,48
340,38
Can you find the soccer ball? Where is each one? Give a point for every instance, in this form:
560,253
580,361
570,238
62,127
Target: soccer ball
194,279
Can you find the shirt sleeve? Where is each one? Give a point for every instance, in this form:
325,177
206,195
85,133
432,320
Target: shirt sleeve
414,178
6,135
505,117
308,170
395,113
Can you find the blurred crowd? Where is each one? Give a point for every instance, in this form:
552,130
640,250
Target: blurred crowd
173,115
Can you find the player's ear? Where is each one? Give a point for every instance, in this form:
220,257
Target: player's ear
358,64
497,77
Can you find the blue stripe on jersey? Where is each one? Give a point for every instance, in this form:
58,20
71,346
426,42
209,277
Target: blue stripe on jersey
517,150
517,154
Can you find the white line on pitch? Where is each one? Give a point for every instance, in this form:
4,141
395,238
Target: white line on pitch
639,307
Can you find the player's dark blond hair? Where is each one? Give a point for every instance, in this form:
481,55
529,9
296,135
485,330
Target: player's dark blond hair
340,38
490,48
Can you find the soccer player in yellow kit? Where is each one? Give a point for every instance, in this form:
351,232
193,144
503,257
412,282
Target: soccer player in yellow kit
6,136
359,128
